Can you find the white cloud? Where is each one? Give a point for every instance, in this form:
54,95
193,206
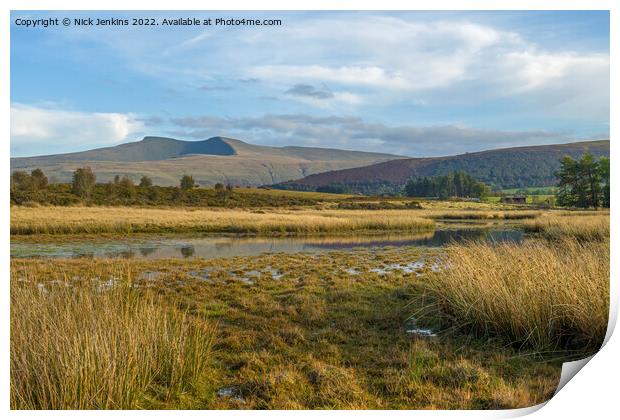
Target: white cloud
48,128
539,69
386,60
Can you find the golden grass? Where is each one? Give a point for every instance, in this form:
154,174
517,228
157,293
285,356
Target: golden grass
75,220
581,227
99,346
548,296
483,215
315,336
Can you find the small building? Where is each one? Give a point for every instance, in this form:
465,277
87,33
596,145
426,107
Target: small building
513,199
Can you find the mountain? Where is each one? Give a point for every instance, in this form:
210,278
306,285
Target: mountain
218,159
502,168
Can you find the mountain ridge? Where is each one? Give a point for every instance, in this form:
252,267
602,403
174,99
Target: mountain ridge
512,167
217,159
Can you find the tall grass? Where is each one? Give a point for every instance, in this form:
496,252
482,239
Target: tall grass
546,296
84,346
582,227
484,215
75,220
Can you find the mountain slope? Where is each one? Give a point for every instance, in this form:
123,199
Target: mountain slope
217,159
503,168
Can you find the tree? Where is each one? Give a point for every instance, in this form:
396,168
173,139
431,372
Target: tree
219,187
21,181
455,184
187,182
83,182
604,170
229,187
579,181
126,188
39,180
146,182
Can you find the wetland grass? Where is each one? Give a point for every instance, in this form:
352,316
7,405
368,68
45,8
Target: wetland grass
547,296
89,220
100,345
294,331
588,227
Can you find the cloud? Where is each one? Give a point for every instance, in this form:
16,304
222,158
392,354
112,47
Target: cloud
356,134
350,75
322,97
310,91
437,69
53,130
376,56
215,88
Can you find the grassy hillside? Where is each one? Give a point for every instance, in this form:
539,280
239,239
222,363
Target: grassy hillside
217,159
503,168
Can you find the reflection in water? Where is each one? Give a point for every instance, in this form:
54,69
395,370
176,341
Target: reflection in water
145,251
187,251
222,247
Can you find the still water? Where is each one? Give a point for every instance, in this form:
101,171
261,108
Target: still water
222,247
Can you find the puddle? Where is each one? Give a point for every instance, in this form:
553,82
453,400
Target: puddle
201,274
413,329
230,392
225,247
149,275
422,332
408,268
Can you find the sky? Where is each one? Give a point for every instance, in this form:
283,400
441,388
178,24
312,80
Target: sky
409,83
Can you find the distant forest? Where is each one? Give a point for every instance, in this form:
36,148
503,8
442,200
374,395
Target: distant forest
456,184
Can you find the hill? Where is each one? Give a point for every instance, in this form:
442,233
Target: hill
515,167
218,159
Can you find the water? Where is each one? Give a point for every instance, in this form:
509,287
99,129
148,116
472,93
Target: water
223,247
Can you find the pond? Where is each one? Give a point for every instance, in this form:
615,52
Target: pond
222,247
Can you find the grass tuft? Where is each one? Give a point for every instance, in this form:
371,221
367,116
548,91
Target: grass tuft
548,297
100,346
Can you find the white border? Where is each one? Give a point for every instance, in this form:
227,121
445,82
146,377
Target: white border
593,392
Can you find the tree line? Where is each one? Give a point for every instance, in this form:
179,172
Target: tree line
33,188
455,184
83,181
584,183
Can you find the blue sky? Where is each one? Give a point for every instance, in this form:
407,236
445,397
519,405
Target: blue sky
411,83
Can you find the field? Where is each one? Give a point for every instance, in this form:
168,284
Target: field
471,325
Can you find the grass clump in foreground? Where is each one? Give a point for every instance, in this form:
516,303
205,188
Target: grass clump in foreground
548,296
101,346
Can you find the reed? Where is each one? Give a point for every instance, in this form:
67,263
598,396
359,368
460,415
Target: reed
100,345
77,220
580,227
542,295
